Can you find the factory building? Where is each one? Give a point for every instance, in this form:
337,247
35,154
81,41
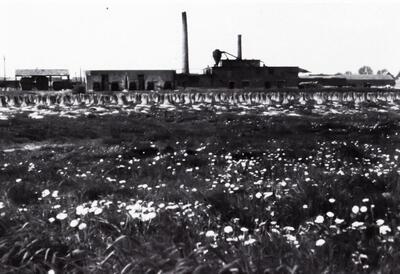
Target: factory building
235,73
347,80
7,84
228,72
118,80
43,79
370,80
241,74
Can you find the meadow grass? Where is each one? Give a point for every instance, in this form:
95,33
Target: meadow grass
200,192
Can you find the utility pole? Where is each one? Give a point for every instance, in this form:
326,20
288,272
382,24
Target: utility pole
4,61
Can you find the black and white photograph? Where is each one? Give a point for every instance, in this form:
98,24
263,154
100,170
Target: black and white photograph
199,137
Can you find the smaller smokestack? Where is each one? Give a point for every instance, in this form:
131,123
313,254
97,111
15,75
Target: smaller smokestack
185,68
239,54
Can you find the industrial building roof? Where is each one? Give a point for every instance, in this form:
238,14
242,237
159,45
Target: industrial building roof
368,77
41,72
321,76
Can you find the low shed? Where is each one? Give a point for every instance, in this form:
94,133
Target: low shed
117,80
40,79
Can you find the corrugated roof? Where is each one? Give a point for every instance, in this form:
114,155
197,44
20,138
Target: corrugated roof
41,72
369,77
321,76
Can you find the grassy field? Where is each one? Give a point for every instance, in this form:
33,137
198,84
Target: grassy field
200,192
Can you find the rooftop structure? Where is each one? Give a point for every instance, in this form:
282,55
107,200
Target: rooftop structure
117,80
43,79
41,72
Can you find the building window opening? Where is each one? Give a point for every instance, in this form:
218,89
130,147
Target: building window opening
42,83
245,84
141,81
268,85
167,85
150,85
96,86
231,85
114,86
27,83
132,85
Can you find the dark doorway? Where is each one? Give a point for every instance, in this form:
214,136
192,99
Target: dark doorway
150,85
26,83
231,85
96,86
126,83
245,84
367,85
104,82
267,85
167,85
141,81
42,83
280,84
132,85
115,86
60,85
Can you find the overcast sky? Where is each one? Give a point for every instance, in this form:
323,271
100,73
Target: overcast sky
321,36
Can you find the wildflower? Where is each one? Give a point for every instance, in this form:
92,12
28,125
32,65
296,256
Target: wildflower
81,210
384,229
82,226
244,229
51,219
210,234
380,222
228,229
45,193
249,241
357,224
51,271
267,194
74,223
18,180
305,206
330,214
355,209
61,216
289,228
54,194
339,221
258,195
291,238
1,205
320,242
363,209
98,211
332,200
149,216
319,220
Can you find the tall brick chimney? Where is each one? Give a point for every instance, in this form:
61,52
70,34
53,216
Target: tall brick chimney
185,68
239,53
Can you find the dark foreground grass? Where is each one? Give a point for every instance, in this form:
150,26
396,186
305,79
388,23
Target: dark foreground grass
196,192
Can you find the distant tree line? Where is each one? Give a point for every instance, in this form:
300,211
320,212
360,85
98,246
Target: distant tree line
367,70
